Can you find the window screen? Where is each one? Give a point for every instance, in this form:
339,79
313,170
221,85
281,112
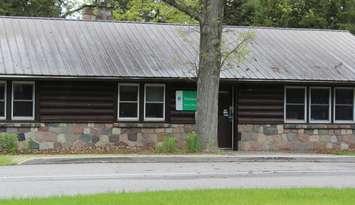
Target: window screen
23,100
154,102
320,104
295,104
128,101
344,100
2,100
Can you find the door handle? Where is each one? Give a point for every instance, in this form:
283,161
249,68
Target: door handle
228,113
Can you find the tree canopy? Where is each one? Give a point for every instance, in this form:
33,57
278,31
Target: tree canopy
149,10
326,14
45,8
329,14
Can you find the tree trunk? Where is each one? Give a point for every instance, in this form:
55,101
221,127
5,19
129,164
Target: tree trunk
209,72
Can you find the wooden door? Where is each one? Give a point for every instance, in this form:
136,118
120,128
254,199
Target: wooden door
225,119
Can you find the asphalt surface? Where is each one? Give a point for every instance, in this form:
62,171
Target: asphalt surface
208,158
69,179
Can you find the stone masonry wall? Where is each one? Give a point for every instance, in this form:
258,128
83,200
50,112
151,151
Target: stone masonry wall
82,137
111,137
297,137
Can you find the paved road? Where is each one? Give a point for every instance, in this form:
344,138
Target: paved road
45,180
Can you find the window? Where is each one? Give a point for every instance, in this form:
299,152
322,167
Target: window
319,104
23,100
128,102
343,104
295,104
154,102
2,100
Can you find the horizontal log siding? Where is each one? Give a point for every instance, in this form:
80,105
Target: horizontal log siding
175,116
76,101
260,104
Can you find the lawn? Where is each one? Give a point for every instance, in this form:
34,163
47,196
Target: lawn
346,153
204,197
13,159
6,160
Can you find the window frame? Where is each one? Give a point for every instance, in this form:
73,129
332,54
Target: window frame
145,118
329,105
118,102
5,100
334,105
305,104
33,100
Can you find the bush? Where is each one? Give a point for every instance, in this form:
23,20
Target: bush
8,142
193,142
168,145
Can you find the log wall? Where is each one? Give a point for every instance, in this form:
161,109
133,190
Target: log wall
260,104
76,101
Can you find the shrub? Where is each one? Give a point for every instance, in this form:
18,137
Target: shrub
8,142
193,142
168,145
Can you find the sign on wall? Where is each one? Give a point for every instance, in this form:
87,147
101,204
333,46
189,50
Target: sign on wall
186,100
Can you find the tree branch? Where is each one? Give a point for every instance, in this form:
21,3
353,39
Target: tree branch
234,50
83,7
184,8
70,12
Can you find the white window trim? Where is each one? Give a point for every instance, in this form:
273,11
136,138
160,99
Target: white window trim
33,100
305,105
329,105
118,103
334,104
5,99
145,93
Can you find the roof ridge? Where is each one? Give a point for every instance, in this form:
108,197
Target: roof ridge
288,28
173,24
83,20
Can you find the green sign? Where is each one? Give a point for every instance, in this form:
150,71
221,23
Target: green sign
186,100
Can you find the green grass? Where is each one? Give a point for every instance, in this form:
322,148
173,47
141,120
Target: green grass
6,160
346,153
204,197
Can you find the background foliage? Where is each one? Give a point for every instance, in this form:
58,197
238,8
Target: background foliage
50,8
329,14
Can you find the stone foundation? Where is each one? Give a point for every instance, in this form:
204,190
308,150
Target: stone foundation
83,137
297,137
116,137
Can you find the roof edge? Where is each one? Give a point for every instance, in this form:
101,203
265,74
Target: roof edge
173,24
57,77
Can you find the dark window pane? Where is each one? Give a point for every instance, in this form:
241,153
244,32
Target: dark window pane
23,91
155,93
295,95
22,109
128,110
295,112
128,93
343,112
2,109
319,112
320,96
2,91
154,110
344,96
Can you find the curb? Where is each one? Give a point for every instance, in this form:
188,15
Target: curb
187,159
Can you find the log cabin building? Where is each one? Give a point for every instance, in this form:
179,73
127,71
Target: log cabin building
74,85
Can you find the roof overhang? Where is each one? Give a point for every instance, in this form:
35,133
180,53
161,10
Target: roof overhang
137,78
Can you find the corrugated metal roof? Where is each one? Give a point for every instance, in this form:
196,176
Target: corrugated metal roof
68,48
